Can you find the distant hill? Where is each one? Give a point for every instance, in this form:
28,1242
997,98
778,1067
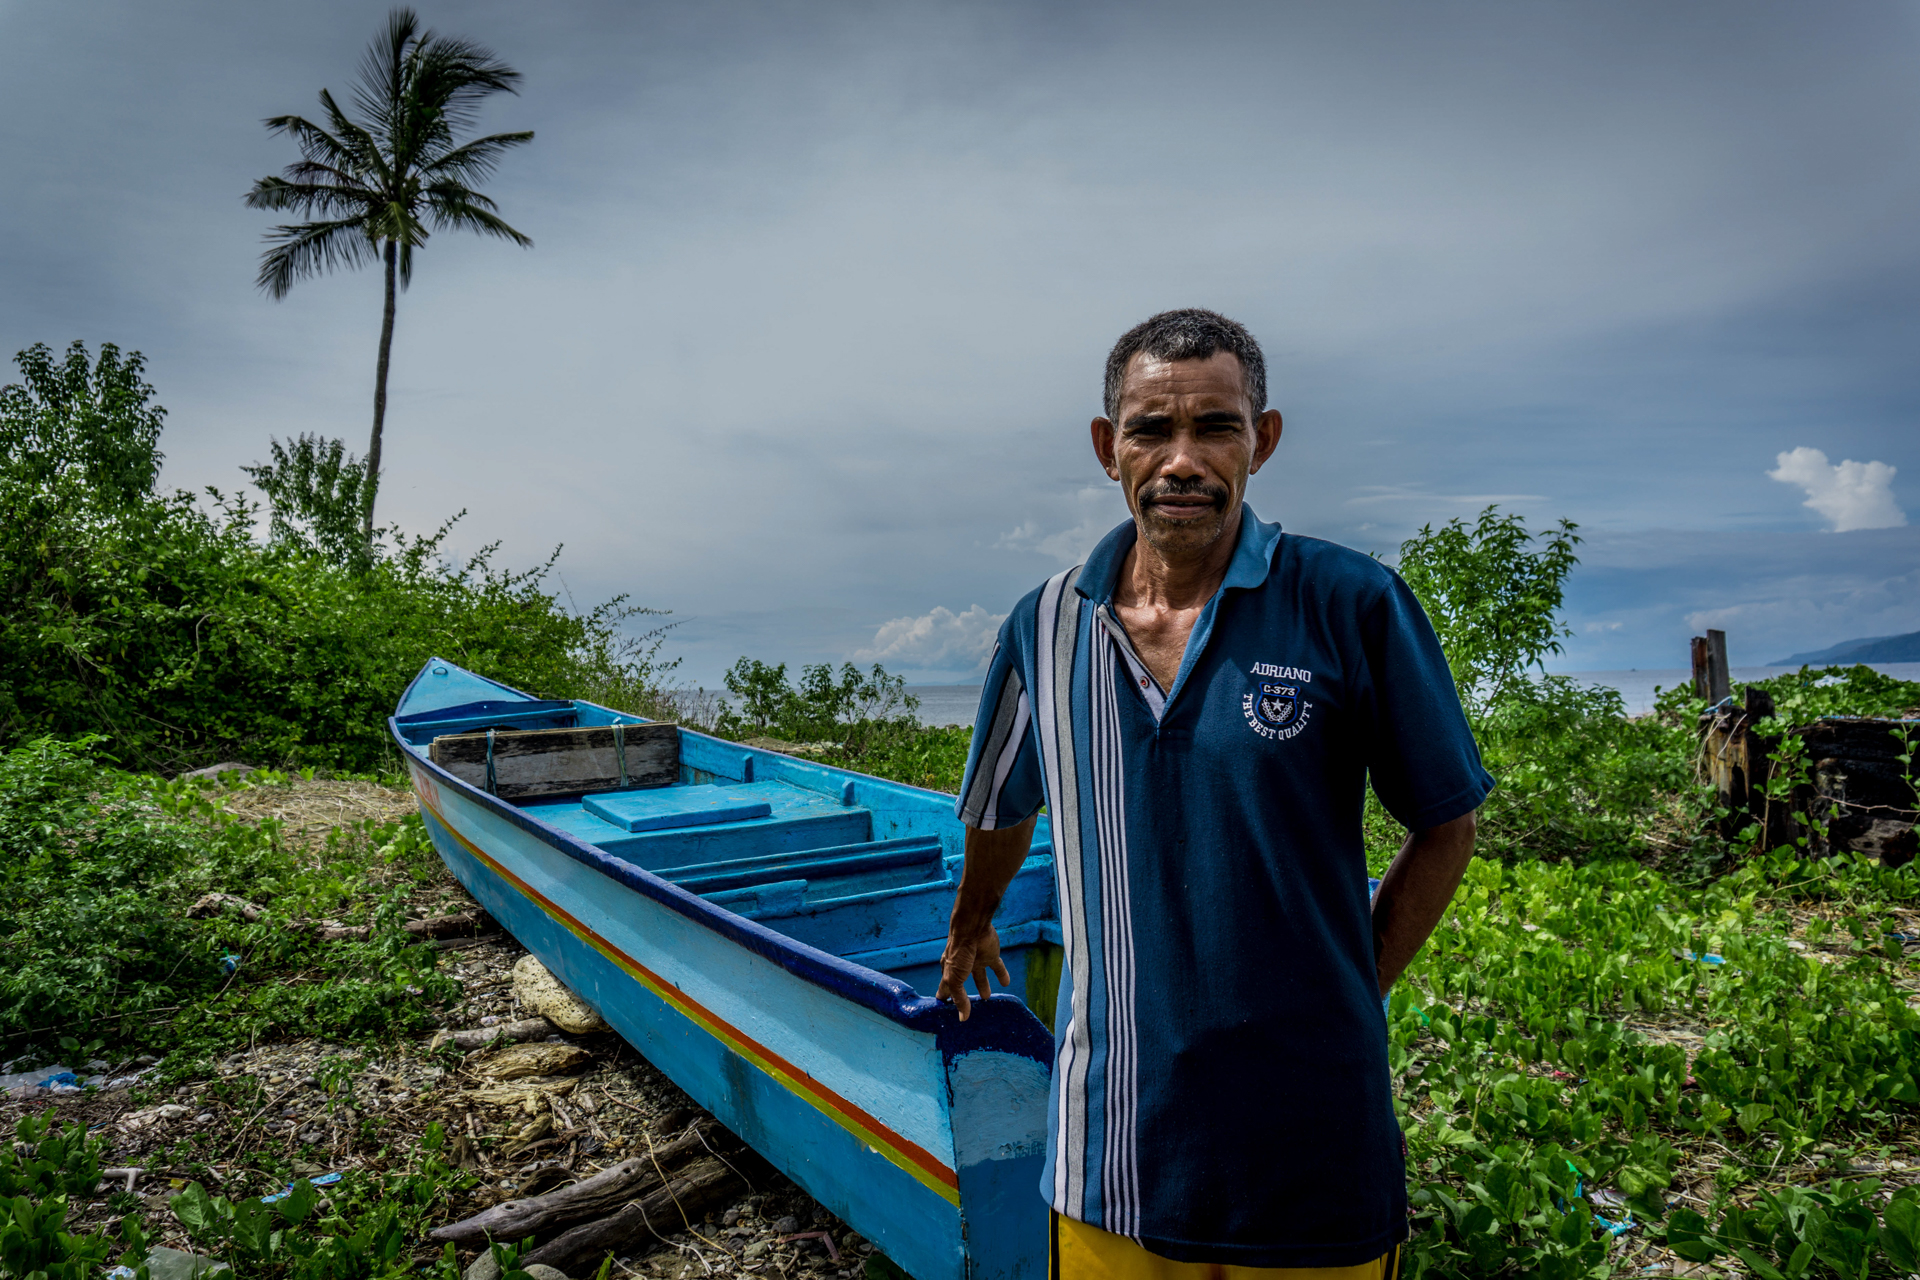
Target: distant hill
1904,648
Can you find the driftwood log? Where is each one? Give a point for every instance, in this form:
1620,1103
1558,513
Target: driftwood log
596,1197
502,1033
465,924
676,1206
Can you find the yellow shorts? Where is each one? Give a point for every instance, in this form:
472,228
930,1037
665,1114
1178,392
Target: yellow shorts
1081,1252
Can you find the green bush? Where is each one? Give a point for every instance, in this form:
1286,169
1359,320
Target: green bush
1494,599
845,709
161,622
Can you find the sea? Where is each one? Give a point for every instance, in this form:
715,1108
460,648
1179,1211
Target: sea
957,703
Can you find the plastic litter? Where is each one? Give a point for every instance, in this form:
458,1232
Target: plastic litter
119,1273
319,1180
28,1079
64,1082
1704,957
229,962
1601,1199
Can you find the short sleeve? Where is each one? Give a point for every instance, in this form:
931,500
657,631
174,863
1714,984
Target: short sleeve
1003,785
1424,763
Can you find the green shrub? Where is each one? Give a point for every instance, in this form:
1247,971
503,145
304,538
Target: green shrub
1810,693
161,622
1494,599
845,710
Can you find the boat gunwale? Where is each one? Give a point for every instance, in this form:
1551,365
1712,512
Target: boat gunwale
887,996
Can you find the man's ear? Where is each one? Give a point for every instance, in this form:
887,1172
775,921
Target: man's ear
1266,438
1103,447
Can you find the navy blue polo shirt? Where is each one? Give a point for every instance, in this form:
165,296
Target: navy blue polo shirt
1221,1090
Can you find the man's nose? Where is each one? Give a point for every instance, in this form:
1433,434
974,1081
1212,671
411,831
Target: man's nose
1183,458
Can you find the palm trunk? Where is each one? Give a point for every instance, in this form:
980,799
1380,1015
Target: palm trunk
379,399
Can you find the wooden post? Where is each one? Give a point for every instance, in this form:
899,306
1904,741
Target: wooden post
1702,680
1719,680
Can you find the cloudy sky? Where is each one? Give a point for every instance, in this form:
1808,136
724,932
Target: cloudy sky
808,342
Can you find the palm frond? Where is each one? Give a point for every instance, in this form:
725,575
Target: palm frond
309,198
360,142
451,205
455,76
325,175
311,249
472,161
315,143
380,89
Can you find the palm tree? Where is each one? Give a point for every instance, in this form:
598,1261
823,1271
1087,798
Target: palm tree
374,182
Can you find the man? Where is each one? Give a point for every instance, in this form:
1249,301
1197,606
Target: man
1199,706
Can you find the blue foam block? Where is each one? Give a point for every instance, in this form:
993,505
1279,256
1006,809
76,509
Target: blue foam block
668,807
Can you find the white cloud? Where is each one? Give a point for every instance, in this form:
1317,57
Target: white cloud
940,639
1100,508
1854,495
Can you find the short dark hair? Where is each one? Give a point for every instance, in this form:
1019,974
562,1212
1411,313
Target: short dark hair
1190,333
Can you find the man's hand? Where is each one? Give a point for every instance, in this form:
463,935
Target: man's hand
973,947
979,956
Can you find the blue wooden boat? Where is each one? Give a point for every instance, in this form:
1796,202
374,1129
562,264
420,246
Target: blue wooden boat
767,931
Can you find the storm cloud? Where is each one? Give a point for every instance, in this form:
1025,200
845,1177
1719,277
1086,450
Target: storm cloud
813,326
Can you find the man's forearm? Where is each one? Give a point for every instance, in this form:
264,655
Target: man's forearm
993,860
1414,894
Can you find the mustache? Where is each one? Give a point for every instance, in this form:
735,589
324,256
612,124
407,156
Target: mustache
1187,488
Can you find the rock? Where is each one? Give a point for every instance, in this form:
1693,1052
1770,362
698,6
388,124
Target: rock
540,991
541,1271
484,1267
757,1249
154,1115
215,770
518,1061
786,1226
177,1264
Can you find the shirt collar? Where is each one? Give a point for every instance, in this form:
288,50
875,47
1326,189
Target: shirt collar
1252,558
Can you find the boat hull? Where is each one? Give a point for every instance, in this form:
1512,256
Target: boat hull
925,1134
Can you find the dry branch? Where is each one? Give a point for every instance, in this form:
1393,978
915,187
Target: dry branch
674,1207
594,1197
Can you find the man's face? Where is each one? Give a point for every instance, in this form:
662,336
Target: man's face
1183,447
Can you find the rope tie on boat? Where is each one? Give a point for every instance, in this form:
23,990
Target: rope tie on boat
491,790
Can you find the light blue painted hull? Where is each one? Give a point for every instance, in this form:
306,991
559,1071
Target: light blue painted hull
924,1133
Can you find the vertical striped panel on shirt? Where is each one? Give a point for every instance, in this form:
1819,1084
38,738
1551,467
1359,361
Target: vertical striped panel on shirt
1056,636
1005,736
1120,1152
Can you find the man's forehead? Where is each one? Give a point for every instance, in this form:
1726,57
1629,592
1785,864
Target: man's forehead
1152,378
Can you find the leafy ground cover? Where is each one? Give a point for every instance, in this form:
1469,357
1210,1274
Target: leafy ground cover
312,1059
1720,1070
